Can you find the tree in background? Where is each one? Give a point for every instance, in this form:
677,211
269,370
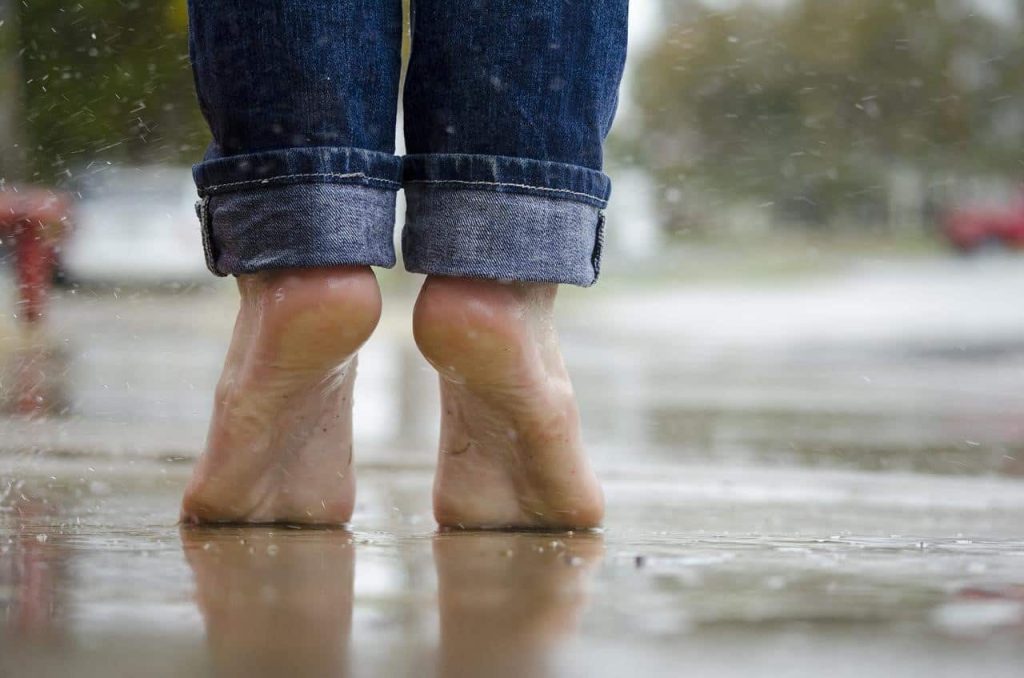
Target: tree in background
104,80
96,81
807,105
11,147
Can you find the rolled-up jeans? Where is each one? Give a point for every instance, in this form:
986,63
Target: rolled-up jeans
506,106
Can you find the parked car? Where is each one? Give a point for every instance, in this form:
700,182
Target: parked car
971,230
134,225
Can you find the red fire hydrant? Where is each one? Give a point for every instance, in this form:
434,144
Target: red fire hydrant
37,219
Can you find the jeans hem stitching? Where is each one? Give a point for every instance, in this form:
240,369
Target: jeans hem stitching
320,175
505,184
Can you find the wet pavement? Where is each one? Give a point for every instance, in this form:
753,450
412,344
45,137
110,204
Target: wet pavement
823,502
703,571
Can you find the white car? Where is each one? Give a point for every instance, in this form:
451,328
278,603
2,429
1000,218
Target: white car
134,225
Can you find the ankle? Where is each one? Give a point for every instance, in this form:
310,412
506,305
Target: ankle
467,326
304,286
311,317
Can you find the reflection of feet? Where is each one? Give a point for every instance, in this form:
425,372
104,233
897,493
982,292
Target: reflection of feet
511,452
280,442
507,600
275,602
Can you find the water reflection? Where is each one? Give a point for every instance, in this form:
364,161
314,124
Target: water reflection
115,585
33,572
508,601
274,602
279,601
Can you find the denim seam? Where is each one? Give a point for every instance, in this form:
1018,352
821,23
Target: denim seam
268,180
507,185
206,225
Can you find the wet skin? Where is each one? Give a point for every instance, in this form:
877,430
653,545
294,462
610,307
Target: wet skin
511,451
279,448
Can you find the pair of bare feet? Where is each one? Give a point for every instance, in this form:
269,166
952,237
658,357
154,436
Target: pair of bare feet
280,443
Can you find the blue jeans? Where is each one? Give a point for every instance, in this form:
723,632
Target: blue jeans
506,106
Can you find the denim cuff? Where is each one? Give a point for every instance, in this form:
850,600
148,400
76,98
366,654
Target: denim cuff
503,218
297,208
218,174
500,174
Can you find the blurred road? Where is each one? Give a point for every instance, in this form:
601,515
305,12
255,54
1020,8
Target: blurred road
903,365
796,468
969,304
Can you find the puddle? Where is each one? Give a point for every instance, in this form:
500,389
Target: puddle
95,574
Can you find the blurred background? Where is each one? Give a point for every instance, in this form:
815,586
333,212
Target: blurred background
813,257
801,375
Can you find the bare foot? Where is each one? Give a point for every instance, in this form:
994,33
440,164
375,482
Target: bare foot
279,448
511,453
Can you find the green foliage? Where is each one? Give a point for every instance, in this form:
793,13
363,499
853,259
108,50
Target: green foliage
808,104
11,150
106,80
